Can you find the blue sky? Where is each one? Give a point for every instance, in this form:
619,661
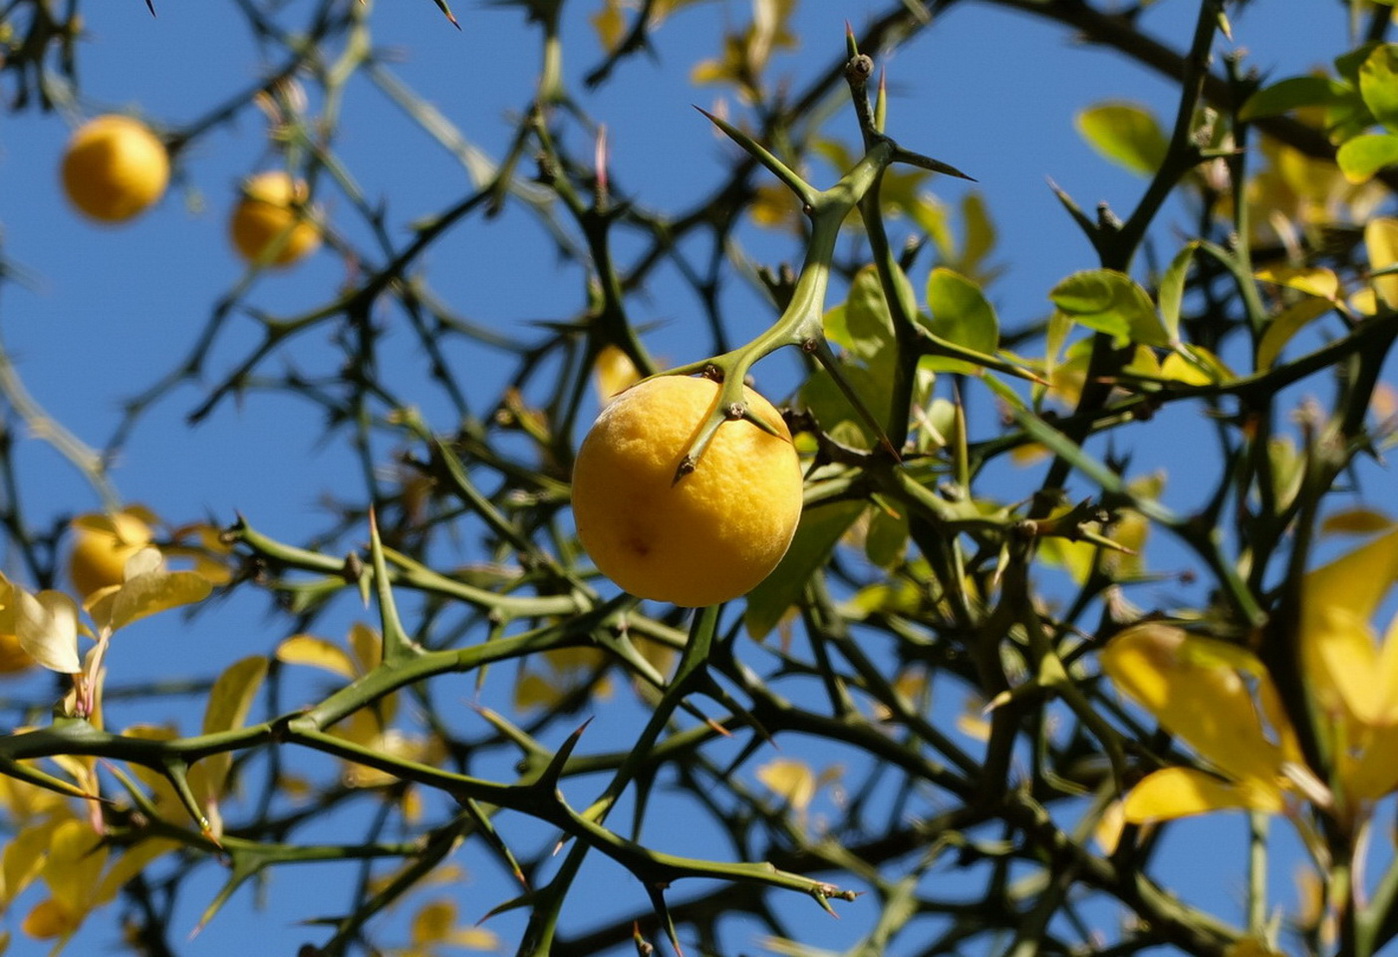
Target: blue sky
110,310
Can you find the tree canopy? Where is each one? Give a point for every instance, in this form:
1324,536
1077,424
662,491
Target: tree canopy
1087,612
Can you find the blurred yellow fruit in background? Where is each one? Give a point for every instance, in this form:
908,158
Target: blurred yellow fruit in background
270,216
114,168
101,546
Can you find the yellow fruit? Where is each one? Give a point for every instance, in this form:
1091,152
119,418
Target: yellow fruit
712,535
269,213
101,546
114,168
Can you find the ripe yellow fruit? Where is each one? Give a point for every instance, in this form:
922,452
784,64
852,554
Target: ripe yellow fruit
114,168
101,546
707,538
270,209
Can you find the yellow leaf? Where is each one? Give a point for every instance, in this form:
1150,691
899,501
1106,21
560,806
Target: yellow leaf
972,721
366,724
1143,363
1180,792
26,802
609,24
366,645
132,862
1284,327
74,866
1365,302
1311,280
433,922
615,373
1372,771
661,656
791,780
1067,378
474,938
229,701
1251,947
390,743
1075,558
47,626
1194,687
1342,663
143,562
532,690
572,661
318,653
1356,521
1381,238
1194,365
1356,582
82,768
706,72
148,593
49,920
1028,454
775,207
1130,531
23,858
162,791
1107,833
7,605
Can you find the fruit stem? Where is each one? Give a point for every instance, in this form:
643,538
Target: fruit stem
801,323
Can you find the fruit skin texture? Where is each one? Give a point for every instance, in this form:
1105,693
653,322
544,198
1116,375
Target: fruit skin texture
101,547
707,538
114,168
265,211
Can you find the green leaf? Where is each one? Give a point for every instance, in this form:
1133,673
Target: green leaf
863,326
1363,156
1378,84
960,312
1083,293
815,539
1293,93
887,535
1349,64
978,231
1126,134
1171,292
1346,119
1111,302
832,409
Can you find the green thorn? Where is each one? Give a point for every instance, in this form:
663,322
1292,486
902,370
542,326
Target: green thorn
795,183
